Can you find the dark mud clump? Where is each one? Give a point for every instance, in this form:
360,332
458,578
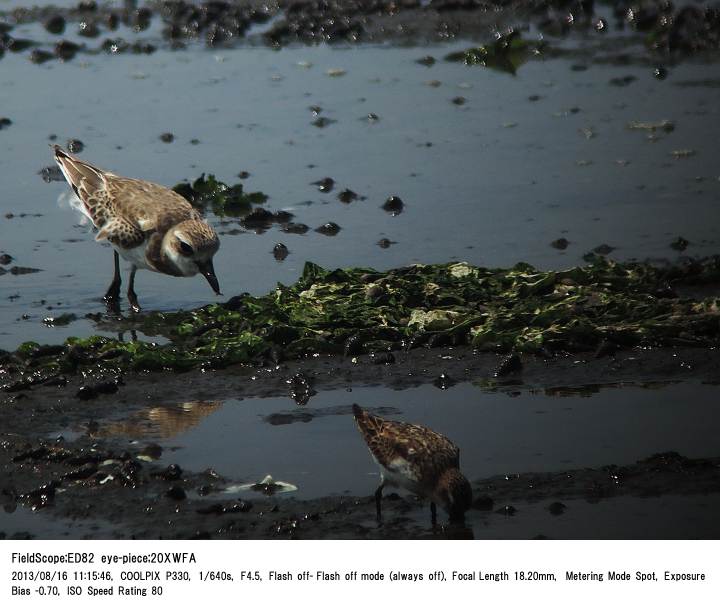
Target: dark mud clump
280,251
394,205
325,185
668,31
75,146
680,244
347,196
329,229
51,174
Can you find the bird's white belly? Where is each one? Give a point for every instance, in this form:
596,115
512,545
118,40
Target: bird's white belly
400,475
136,256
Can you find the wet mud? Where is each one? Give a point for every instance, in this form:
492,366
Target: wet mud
64,482
666,31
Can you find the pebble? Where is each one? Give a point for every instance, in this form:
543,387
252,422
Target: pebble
75,146
394,205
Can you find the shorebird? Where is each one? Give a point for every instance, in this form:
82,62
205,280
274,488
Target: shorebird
418,459
149,225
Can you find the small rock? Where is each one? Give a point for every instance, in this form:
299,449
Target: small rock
168,138
322,121
176,493
51,174
604,249
511,364
171,472
66,50
459,100
4,122
296,228
383,358
280,251
428,61
87,392
75,146
347,196
560,244
443,381
325,185
394,205
55,24
385,243
680,244
5,259
329,229
88,29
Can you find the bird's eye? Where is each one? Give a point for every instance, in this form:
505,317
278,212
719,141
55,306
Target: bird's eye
186,249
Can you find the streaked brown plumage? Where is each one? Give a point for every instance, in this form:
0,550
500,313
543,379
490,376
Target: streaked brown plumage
418,459
151,226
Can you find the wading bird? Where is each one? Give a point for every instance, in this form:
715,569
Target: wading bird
150,226
418,459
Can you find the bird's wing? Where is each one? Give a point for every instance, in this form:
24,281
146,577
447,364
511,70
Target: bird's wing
155,208
105,195
121,232
89,184
402,443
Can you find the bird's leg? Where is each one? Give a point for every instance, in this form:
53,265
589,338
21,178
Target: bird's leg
132,296
378,500
112,296
433,514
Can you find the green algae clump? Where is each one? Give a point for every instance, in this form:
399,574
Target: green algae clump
222,199
358,310
506,53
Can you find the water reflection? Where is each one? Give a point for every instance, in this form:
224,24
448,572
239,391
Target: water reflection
244,440
162,422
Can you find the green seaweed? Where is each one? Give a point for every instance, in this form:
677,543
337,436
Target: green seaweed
506,53
222,199
359,310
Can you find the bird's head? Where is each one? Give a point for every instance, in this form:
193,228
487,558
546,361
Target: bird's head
454,494
190,247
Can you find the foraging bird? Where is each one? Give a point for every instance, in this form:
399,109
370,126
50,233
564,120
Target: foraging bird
149,225
418,459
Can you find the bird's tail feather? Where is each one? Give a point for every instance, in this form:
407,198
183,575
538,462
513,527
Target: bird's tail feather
80,175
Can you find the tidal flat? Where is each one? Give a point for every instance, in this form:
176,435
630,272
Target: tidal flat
496,221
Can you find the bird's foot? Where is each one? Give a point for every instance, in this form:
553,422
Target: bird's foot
134,305
112,303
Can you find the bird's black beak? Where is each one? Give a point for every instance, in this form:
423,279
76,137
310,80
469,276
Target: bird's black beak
206,268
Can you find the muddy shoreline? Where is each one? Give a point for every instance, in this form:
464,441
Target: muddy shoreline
70,482
89,28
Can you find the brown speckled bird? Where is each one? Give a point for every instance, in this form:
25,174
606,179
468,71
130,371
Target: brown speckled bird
418,459
149,225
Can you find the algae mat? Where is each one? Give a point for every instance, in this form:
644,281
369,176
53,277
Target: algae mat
360,310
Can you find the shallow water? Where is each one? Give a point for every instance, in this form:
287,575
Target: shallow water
525,160
318,448
504,175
